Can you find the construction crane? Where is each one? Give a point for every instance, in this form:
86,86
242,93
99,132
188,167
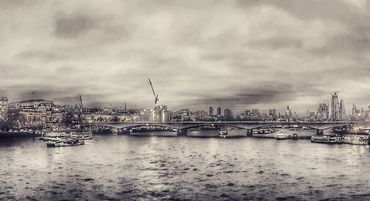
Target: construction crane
156,99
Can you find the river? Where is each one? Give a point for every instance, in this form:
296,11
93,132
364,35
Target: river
183,168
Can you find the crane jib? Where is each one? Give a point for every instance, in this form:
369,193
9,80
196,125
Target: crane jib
156,99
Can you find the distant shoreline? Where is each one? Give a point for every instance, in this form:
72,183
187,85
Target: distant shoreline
18,135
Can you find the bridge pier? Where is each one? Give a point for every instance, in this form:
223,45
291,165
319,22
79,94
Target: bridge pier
182,132
319,132
249,132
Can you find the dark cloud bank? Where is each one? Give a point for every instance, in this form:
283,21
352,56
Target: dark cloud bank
237,54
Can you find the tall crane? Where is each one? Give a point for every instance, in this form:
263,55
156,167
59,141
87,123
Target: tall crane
156,99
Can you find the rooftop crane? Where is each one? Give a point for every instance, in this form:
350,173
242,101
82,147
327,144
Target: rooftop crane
156,99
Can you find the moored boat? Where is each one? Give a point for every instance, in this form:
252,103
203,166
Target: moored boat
356,139
82,135
281,136
232,133
65,142
295,136
327,139
341,130
264,133
223,134
47,136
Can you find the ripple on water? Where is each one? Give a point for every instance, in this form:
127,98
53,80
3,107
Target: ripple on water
287,198
88,179
230,184
160,169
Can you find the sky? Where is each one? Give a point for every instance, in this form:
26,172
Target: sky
240,54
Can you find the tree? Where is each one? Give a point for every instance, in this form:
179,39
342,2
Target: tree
11,121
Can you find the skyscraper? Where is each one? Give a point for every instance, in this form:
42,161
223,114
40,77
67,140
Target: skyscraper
200,115
219,111
354,110
334,107
323,111
288,112
273,113
342,110
211,111
227,114
256,112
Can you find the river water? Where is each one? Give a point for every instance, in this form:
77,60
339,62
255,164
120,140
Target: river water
183,168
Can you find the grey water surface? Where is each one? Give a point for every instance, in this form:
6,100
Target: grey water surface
183,168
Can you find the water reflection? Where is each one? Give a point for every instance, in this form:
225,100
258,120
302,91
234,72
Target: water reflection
157,168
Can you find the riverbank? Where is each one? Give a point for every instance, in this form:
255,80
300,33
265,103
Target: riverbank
19,135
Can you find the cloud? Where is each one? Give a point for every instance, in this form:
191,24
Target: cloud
72,26
9,4
42,55
261,94
238,53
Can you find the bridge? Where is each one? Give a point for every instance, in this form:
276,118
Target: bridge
183,126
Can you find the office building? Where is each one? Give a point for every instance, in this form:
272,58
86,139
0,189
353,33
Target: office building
219,111
334,107
211,111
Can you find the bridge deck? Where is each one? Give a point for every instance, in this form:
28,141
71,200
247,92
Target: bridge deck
239,124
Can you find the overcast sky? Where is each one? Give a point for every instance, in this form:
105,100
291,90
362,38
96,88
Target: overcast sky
241,54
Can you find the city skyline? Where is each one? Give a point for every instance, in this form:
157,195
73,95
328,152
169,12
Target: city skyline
334,110
184,100
223,53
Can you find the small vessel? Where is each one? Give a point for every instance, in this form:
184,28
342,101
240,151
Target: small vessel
327,139
281,136
264,133
81,135
295,136
223,134
46,136
232,133
341,130
65,142
356,139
